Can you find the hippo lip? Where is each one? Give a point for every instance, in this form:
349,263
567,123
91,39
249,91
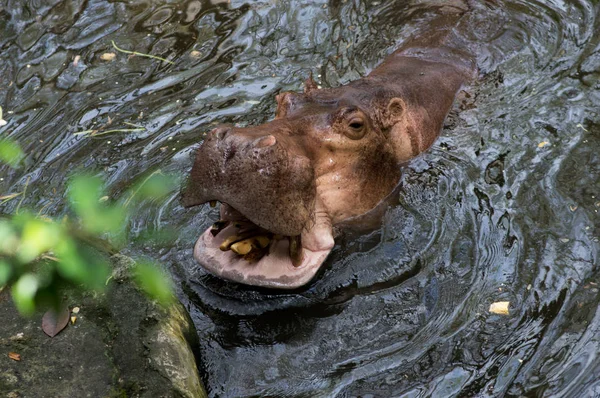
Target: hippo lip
275,269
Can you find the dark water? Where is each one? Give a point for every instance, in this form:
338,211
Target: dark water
489,214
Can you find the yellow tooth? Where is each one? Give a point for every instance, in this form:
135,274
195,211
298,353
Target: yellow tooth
242,247
296,251
213,203
226,245
262,241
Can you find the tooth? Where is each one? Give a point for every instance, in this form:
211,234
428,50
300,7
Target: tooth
213,203
296,250
242,247
262,241
254,245
218,227
226,245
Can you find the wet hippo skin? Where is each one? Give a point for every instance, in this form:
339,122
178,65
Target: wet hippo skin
329,156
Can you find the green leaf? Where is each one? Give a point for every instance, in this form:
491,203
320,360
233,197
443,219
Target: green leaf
96,217
84,194
155,283
37,237
9,240
10,152
164,237
80,266
5,272
70,265
155,186
112,219
23,293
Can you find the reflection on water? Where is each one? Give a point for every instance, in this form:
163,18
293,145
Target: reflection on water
505,207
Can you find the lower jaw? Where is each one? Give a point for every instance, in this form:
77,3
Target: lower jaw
274,270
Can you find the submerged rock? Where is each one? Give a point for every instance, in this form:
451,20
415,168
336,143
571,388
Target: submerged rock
121,344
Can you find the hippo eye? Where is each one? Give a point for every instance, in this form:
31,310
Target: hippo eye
356,128
356,125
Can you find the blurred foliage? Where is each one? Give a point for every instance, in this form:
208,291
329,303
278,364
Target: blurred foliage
152,281
40,257
10,153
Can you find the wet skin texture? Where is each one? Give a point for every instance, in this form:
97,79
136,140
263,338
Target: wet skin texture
329,156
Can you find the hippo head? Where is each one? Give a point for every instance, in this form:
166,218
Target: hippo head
327,157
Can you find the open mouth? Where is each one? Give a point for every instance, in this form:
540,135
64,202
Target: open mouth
234,248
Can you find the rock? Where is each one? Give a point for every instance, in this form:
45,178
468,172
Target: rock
121,345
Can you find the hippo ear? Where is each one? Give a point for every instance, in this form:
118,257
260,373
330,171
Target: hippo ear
396,112
284,103
310,85
401,129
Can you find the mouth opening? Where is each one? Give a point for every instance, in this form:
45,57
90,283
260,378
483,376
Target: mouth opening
235,248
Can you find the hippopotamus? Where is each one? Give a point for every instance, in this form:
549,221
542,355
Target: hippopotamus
329,156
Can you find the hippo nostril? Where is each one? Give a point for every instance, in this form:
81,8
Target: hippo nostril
265,142
221,132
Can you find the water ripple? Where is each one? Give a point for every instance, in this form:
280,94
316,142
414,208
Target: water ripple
503,208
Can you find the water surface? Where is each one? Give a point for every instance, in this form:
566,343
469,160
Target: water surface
504,207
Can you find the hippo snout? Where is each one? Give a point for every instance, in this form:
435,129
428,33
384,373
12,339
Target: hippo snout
253,171
234,150
231,142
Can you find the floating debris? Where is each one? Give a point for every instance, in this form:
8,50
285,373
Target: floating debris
140,54
543,144
99,132
500,307
76,60
14,356
6,198
2,121
108,57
